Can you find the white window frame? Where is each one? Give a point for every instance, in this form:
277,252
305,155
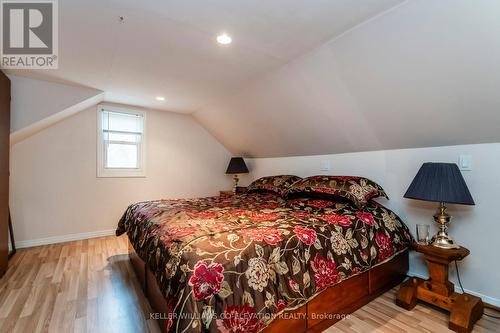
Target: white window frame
102,171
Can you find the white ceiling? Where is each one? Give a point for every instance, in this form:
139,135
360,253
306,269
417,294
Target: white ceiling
424,74
167,47
301,77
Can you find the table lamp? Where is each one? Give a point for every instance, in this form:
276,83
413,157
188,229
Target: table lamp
443,183
236,166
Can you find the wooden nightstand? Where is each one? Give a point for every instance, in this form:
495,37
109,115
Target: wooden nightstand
239,190
464,309
226,193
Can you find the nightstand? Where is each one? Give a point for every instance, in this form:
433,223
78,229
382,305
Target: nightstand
226,193
464,309
239,190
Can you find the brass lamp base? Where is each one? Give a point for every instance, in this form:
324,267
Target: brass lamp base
442,239
235,180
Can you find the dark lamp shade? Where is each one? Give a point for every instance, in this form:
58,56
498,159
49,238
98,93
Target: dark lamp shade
440,182
236,165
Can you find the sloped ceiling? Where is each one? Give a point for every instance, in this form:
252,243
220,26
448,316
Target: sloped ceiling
35,100
424,74
301,77
38,104
167,47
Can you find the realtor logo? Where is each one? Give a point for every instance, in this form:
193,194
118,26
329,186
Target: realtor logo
29,34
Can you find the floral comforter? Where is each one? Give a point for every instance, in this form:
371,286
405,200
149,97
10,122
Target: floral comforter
233,264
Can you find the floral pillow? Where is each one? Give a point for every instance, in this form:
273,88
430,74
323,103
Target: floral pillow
310,204
277,184
357,190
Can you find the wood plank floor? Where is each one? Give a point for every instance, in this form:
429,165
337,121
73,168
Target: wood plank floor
89,286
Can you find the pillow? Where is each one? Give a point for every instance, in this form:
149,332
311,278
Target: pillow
277,184
357,190
310,203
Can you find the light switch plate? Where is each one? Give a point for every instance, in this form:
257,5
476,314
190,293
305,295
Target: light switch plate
465,162
325,166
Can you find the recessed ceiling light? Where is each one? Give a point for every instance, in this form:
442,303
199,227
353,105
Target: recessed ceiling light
160,98
224,39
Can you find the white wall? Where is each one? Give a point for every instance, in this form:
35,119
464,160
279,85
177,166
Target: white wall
475,227
55,192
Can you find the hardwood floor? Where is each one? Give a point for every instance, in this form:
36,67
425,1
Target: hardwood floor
89,286
81,286
382,315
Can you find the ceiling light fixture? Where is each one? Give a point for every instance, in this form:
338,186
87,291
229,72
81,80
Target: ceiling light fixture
160,98
224,39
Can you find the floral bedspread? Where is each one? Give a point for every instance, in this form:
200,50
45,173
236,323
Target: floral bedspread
233,264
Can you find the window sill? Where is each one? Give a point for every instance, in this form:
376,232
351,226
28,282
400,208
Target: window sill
117,173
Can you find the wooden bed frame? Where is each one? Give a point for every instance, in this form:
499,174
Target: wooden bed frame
321,312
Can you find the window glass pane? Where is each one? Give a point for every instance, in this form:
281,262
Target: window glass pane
124,137
121,156
124,122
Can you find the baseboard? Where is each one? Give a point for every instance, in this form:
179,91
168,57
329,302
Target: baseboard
63,238
486,299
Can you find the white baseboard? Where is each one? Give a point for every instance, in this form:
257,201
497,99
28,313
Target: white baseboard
63,238
487,299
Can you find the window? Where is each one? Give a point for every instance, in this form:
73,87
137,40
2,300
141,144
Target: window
120,142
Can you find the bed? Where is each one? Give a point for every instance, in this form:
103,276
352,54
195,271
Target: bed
257,262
